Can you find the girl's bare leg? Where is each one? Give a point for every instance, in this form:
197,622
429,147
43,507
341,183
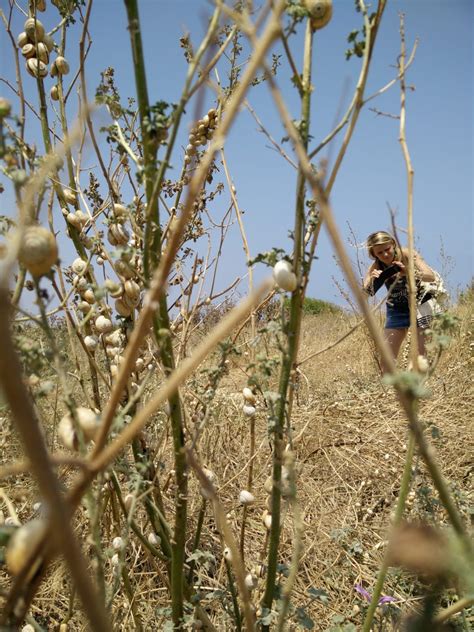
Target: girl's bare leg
421,342
394,337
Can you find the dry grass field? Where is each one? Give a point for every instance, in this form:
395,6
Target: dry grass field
349,446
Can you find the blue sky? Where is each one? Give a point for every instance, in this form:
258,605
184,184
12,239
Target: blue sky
439,126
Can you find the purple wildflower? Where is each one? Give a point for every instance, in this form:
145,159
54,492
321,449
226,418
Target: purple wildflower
366,595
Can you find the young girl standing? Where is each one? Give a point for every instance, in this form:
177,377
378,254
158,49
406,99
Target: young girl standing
390,268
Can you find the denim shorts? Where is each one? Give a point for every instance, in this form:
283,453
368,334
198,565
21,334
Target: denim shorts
397,319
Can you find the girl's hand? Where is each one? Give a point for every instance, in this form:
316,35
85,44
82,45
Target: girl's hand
402,266
375,273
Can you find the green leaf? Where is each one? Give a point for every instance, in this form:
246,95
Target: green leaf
319,594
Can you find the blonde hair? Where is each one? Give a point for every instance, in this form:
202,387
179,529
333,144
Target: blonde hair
379,238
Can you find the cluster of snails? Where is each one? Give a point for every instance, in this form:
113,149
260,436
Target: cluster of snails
84,419
200,134
250,400
36,45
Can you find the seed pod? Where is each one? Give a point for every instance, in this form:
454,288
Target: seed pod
28,51
128,501
122,308
40,5
22,39
21,545
284,276
38,250
79,266
103,325
260,570
91,343
61,65
34,29
88,421
246,498
54,93
36,68
249,395
320,12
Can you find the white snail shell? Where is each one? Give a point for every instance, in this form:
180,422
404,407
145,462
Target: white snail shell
91,343
153,539
38,250
114,339
34,29
36,68
43,52
227,554
22,39
122,308
69,196
249,411
49,42
28,51
132,290
249,395
284,276
103,325
251,581
320,12
117,543
61,65
267,520
79,266
246,497
22,543
89,296
119,211
88,421
54,93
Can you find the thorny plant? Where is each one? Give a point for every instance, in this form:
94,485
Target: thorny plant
123,316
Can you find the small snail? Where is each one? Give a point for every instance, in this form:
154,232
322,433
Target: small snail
103,325
36,68
88,421
38,250
246,497
320,12
284,276
22,543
